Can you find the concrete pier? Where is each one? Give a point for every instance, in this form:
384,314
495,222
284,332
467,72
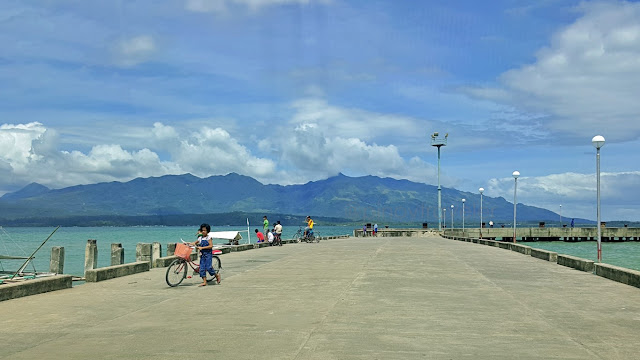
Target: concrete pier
362,298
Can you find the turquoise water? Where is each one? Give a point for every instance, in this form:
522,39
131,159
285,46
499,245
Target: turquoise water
625,254
20,241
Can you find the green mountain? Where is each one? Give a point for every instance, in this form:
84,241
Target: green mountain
357,199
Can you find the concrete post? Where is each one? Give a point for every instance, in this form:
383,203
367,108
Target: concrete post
117,254
143,252
171,249
156,252
56,265
91,255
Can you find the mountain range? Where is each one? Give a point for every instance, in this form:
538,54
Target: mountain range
342,198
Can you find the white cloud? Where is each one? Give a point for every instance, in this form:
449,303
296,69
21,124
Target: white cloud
576,193
221,6
585,78
135,50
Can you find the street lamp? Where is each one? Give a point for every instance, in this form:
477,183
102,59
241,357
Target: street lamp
481,190
444,217
463,200
515,189
560,216
439,142
598,142
451,216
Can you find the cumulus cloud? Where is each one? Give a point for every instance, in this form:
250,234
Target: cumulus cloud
586,77
576,193
135,50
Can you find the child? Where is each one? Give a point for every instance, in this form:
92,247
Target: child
260,236
205,245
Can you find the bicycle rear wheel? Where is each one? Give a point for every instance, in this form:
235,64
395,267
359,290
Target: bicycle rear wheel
176,272
297,236
217,264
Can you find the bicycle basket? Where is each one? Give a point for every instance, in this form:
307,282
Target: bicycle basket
183,251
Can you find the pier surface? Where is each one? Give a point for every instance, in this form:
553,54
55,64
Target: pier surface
357,298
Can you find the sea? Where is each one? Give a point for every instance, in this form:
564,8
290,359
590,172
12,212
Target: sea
22,241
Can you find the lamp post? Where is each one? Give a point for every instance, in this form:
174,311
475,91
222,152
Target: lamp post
560,216
481,190
463,200
515,189
452,216
444,217
439,142
598,142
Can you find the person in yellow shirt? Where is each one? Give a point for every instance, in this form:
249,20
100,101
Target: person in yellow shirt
309,227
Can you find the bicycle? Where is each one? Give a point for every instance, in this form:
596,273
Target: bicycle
177,270
300,236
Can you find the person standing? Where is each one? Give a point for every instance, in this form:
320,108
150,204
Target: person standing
375,229
265,225
278,230
205,245
572,222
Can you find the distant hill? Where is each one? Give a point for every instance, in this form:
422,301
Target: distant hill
367,198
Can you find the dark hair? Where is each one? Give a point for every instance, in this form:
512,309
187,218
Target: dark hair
206,226
256,230
278,222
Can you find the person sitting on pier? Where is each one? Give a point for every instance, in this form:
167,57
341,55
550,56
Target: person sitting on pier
205,245
260,236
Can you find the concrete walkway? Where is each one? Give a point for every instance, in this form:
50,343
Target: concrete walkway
358,298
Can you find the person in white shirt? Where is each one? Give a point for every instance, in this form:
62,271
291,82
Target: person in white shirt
270,237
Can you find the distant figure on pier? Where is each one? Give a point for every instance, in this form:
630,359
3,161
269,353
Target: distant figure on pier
375,229
364,230
265,224
491,223
278,230
260,236
309,227
572,222
270,237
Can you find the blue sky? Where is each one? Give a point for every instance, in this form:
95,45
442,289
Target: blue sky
290,91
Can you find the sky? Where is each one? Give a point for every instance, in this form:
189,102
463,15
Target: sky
291,91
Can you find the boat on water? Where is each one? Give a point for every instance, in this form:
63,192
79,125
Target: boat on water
27,270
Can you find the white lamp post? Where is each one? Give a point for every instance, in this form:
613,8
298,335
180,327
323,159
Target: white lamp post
452,216
515,189
444,217
481,190
598,142
560,216
463,200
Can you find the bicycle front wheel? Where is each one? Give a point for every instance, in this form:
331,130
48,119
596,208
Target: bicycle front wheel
176,272
297,236
217,264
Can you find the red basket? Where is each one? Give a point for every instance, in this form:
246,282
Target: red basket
183,250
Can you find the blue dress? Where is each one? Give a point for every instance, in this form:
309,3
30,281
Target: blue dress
206,257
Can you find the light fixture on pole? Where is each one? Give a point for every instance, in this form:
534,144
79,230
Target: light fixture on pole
444,217
598,142
561,216
515,189
439,142
481,190
463,200
451,216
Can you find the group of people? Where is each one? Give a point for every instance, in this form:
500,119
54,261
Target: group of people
374,231
274,237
